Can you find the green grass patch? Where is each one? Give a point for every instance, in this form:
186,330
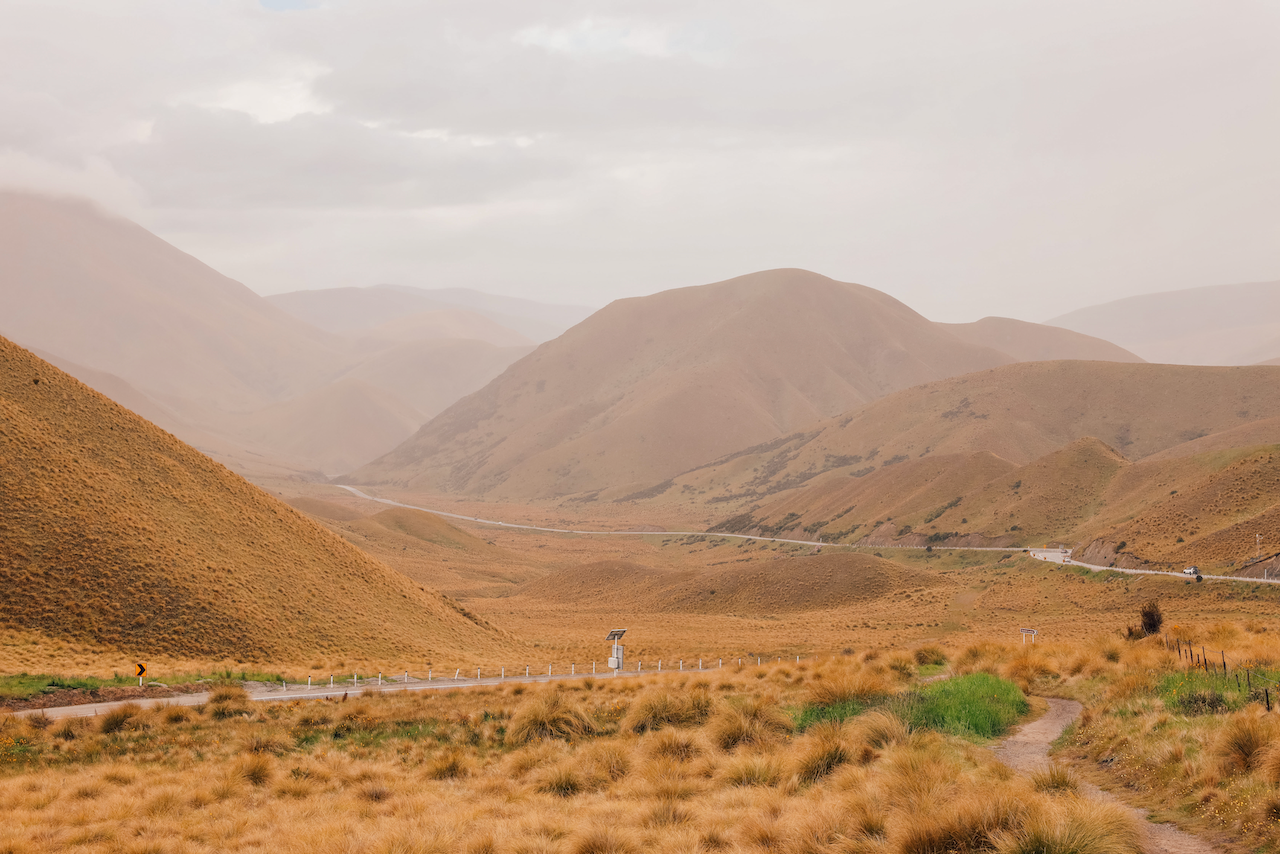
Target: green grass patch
22,686
810,715
1194,692
976,706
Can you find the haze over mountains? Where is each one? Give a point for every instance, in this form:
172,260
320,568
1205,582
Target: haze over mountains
227,369
1216,325
652,386
116,534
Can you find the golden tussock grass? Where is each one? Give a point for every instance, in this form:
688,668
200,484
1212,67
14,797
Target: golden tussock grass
491,770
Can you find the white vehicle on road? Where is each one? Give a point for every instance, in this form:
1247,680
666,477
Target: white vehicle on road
1191,570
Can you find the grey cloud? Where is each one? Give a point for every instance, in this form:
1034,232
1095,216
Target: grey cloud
971,158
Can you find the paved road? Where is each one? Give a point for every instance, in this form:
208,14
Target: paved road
352,489
1063,556
1052,555
320,692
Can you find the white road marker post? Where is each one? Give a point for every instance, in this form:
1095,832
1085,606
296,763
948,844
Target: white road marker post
379,677
308,681
456,672
356,677
477,674
406,677
573,670
504,672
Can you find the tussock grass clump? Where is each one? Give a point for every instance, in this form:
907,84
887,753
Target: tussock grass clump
754,770
255,769
603,840
563,781
118,718
1079,827
1243,740
658,708
448,764
825,748
669,744
881,729
755,720
859,686
929,655
549,717
966,824
229,694
1054,779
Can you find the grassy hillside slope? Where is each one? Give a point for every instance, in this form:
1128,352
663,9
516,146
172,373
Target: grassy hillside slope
1017,412
114,533
648,387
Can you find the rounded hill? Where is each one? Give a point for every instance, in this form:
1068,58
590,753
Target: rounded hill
112,532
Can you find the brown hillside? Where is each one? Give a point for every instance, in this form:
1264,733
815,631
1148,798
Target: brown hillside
1203,509
793,584
1035,342
1017,412
114,533
651,386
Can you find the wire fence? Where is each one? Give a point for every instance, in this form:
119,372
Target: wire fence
479,675
1216,666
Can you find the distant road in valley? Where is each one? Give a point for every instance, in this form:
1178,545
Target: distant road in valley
1062,556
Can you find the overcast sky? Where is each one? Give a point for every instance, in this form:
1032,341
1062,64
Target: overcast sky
970,157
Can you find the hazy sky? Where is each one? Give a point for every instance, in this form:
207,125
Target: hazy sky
970,157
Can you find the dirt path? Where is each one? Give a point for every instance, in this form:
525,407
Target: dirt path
1027,750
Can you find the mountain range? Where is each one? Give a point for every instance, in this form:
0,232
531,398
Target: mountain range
652,386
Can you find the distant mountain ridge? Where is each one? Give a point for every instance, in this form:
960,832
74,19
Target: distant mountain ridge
136,317
352,310
652,386
1215,325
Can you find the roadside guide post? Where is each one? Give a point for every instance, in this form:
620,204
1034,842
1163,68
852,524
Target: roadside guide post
1026,632
141,670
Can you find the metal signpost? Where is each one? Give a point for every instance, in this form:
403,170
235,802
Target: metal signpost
1026,632
615,655
141,670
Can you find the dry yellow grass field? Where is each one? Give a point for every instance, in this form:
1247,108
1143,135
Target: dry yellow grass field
721,762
